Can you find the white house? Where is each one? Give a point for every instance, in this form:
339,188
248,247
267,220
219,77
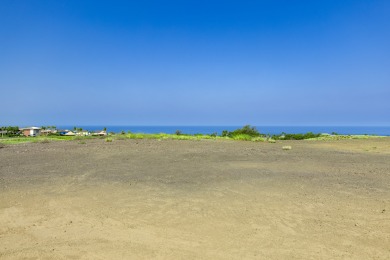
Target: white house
69,133
83,133
99,133
31,131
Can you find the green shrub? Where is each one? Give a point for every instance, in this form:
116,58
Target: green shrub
246,130
225,133
285,136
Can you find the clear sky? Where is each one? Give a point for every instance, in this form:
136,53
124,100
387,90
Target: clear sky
195,62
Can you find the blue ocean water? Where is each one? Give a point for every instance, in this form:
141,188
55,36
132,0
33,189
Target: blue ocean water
353,130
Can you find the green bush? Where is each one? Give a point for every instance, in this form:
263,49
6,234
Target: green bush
213,134
246,130
285,136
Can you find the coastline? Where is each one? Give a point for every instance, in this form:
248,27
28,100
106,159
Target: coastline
268,130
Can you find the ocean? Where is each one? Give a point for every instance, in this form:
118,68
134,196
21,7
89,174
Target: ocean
347,130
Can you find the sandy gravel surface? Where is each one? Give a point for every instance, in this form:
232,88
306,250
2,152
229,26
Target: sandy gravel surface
143,199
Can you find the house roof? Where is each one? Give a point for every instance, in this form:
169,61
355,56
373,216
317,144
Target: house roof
31,128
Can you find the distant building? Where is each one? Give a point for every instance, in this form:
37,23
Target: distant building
83,133
31,131
61,131
69,133
47,131
65,132
99,133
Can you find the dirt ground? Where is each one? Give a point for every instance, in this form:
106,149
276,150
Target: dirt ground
142,199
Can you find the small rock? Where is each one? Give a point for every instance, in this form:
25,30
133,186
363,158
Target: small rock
287,147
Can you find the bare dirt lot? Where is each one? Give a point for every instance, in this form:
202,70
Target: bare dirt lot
142,199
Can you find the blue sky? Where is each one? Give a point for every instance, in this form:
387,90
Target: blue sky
195,62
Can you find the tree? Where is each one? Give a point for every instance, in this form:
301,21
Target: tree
246,130
11,130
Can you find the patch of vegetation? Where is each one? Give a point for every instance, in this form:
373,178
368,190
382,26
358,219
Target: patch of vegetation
343,137
242,137
285,136
246,133
37,139
9,131
242,133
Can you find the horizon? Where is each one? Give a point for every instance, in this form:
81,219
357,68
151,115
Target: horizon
195,63
186,125
208,130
